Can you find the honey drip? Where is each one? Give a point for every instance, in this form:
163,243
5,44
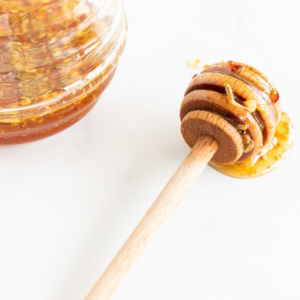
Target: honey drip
268,160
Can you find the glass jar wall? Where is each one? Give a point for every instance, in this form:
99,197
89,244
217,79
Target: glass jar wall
56,59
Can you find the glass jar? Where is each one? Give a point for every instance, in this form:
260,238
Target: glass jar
56,59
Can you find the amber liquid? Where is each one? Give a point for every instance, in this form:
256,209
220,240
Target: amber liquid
56,59
42,126
267,161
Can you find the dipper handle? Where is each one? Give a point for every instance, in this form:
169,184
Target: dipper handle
154,219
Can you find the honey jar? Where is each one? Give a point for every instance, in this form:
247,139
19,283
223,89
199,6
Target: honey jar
56,59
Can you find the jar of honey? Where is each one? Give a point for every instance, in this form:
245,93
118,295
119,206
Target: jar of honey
56,59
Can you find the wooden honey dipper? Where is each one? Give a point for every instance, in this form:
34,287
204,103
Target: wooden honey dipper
228,116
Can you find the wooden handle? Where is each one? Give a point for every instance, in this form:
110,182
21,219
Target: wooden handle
154,219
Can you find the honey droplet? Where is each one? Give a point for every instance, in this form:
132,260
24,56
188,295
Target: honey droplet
195,63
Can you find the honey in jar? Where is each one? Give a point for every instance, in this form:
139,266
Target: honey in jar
57,57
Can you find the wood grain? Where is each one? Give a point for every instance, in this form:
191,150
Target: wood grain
154,219
218,103
243,91
230,143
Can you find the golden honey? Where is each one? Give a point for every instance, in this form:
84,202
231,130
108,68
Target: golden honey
56,59
268,160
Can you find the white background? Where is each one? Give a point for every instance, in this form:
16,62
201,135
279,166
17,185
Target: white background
68,203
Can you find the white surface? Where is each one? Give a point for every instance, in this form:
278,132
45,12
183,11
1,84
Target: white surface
69,202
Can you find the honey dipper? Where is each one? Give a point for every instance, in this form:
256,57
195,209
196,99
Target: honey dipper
231,118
